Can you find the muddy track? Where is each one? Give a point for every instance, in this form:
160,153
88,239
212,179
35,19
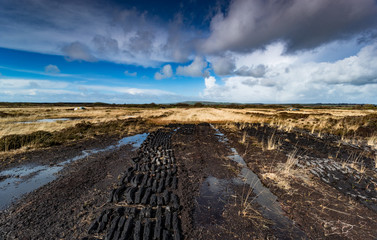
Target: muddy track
144,205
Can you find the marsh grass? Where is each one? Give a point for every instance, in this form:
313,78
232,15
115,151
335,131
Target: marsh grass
244,137
354,161
290,163
82,130
272,142
351,125
372,141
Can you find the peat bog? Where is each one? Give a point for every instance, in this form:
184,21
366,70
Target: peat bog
190,173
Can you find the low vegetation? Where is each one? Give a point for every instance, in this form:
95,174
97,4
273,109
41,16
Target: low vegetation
82,130
352,123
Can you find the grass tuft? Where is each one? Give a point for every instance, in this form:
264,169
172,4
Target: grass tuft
291,162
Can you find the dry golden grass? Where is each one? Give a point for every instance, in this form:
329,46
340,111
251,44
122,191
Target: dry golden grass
280,180
372,141
212,115
244,136
319,120
290,163
272,142
15,125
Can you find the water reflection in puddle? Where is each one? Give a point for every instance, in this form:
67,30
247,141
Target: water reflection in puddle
48,120
214,194
218,191
26,178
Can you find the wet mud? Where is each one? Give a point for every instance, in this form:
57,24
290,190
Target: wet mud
144,204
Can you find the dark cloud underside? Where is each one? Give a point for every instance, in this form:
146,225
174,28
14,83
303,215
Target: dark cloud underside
302,24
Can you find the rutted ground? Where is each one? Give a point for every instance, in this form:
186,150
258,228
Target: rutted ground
182,184
314,180
144,205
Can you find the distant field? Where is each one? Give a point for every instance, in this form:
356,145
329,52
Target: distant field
348,123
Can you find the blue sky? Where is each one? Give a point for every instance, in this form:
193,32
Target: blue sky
249,51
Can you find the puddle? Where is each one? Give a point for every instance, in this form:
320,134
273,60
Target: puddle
26,178
23,180
270,207
235,157
220,135
214,194
48,120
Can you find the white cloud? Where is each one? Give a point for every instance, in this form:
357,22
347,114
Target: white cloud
352,79
43,73
210,82
131,91
166,72
52,69
355,70
271,55
130,74
195,69
254,71
16,89
21,83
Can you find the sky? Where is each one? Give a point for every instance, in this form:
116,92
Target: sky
139,51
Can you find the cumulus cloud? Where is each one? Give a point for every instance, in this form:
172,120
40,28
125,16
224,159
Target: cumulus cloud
91,30
78,51
277,50
223,65
303,24
179,44
254,71
195,69
360,69
210,82
166,72
52,69
130,74
250,82
352,79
